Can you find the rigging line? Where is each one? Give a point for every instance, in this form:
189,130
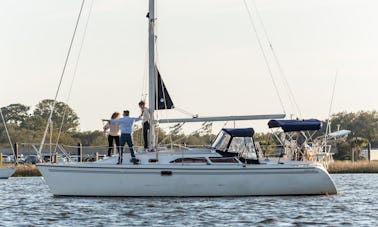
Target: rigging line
280,68
61,79
155,105
184,112
74,75
156,58
330,108
176,129
264,55
6,131
144,92
144,80
333,95
291,93
194,132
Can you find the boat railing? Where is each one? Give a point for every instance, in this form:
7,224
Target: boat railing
52,152
312,152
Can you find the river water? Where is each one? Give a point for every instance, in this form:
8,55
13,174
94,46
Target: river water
27,202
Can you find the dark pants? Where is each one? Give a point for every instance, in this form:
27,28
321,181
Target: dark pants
125,138
146,127
111,140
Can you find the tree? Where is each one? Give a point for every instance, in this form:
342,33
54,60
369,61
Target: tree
364,127
62,110
363,124
16,114
91,138
267,143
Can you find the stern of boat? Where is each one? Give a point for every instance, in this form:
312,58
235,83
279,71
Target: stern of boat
325,178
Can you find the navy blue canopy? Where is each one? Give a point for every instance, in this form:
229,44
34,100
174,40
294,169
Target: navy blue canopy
296,125
240,132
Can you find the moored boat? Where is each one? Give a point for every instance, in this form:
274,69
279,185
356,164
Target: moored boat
233,165
6,172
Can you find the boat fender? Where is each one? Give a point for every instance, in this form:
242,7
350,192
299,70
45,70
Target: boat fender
135,161
166,173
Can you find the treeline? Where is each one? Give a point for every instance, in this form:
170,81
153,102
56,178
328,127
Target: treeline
364,131
364,127
26,125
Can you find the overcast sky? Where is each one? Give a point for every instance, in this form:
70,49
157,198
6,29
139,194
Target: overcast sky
207,53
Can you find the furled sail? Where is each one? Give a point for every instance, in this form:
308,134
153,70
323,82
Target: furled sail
163,100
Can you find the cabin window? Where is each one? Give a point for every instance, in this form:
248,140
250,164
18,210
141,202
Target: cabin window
189,160
222,141
223,160
244,146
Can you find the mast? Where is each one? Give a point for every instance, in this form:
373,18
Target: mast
151,70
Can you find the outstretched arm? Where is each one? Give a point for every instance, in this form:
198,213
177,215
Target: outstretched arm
106,127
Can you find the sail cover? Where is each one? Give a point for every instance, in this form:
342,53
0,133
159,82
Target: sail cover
296,125
163,100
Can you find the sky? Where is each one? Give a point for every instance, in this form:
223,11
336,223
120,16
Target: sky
207,53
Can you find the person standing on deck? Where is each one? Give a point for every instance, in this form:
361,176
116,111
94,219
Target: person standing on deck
145,122
126,125
113,133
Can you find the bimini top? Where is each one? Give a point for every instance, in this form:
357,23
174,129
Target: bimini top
296,125
239,132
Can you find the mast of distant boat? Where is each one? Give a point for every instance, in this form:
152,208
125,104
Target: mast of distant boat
152,70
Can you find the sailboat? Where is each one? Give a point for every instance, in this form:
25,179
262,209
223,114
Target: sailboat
6,172
233,166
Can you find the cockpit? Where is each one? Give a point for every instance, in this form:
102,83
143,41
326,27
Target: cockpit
237,142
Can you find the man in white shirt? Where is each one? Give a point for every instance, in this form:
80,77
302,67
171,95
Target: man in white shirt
126,125
145,122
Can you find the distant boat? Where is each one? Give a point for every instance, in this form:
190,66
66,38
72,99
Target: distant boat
231,167
6,172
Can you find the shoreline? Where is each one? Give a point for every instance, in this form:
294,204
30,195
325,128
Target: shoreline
338,167
27,170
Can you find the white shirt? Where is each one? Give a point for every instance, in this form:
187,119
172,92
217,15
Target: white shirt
146,115
113,129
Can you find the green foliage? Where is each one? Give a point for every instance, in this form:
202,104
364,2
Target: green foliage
267,142
342,151
28,126
42,112
90,138
16,114
363,124
364,127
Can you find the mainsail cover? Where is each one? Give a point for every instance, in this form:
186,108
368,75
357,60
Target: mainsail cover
163,99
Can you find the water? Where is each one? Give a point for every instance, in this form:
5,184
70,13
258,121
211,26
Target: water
27,201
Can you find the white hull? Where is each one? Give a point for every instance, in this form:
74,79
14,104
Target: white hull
6,172
94,179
